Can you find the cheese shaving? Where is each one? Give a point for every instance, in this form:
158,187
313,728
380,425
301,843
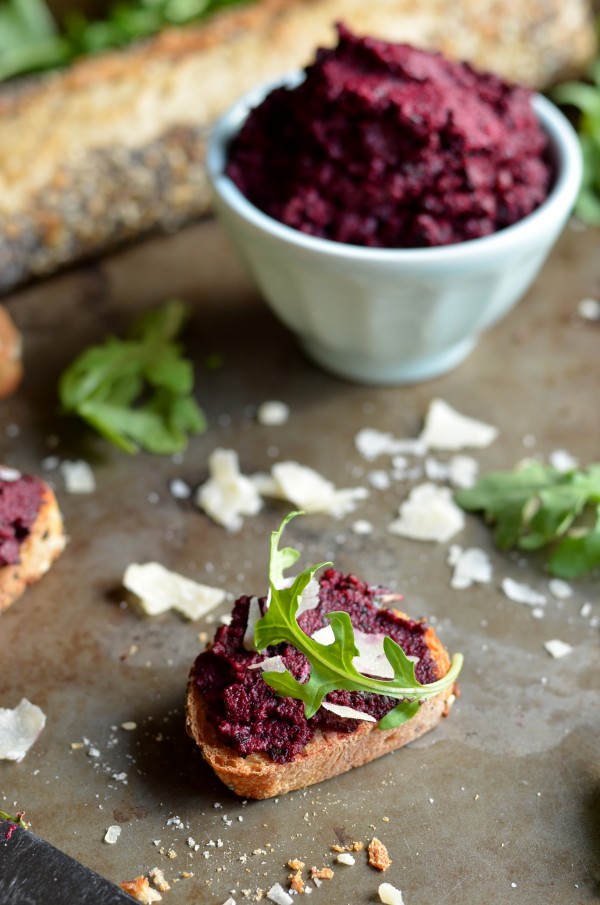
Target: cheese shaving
278,895
429,513
349,713
159,590
470,566
371,659
272,413
309,491
254,614
228,495
78,477
522,593
309,599
372,443
270,664
445,428
389,895
557,648
19,728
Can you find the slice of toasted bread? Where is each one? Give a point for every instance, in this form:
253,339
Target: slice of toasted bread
44,543
327,754
11,365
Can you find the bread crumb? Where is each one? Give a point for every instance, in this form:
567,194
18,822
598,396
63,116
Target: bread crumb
296,882
295,864
378,855
158,878
323,873
171,853
140,889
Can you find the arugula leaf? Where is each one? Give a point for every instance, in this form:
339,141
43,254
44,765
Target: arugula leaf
137,392
538,506
332,665
585,98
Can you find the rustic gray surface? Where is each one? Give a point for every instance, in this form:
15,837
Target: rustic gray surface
501,803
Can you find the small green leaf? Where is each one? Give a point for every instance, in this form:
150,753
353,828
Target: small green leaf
137,393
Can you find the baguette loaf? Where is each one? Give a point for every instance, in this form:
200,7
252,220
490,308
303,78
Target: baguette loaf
112,147
327,754
43,544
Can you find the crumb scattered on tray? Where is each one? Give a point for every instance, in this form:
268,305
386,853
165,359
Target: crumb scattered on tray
378,855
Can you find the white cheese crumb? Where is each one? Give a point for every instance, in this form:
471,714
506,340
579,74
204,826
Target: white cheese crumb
9,474
228,494
379,479
278,895
470,566
230,901
589,309
429,513
272,413
362,527
78,476
538,612
346,858
309,491
19,728
389,895
179,489
557,648
562,460
112,834
586,610
129,726
160,590
372,443
522,593
559,588
445,428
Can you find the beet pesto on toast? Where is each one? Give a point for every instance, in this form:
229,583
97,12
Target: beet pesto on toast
315,679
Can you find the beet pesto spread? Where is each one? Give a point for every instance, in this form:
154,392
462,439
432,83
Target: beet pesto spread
20,501
389,146
250,717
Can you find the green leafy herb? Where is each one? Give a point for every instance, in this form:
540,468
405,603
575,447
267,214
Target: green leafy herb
30,39
537,506
137,392
332,665
585,97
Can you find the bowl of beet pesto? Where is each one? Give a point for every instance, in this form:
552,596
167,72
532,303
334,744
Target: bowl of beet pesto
392,204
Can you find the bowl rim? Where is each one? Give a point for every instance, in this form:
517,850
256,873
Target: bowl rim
564,147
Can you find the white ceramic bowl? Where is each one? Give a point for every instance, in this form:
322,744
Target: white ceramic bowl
392,315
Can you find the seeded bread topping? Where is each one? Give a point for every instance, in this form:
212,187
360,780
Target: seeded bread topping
390,146
20,500
250,717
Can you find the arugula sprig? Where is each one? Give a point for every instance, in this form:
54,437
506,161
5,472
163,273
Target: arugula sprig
538,506
137,392
332,665
585,98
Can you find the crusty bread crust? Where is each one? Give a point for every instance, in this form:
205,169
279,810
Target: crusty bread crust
113,146
11,365
327,754
43,545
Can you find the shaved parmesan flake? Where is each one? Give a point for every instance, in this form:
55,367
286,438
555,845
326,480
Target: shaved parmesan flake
371,659
522,593
270,664
310,491
562,460
445,428
19,728
9,474
429,513
309,598
389,895
78,477
559,588
228,494
558,648
470,566
254,614
372,443
112,834
278,895
160,590
348,712
346,858
273,413
324,635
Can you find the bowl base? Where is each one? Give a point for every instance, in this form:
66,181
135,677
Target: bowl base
372,371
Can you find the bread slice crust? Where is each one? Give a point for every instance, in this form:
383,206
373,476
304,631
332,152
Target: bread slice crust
44,543
328,753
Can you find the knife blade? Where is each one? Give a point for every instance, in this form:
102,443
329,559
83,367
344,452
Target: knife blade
33,872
